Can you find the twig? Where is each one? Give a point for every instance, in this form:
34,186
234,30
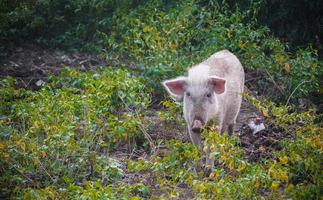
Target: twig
132,152
21,173
140,126
272,79
42,166
13,63
255,78
26,85
290,96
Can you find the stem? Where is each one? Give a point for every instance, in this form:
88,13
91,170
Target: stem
287,102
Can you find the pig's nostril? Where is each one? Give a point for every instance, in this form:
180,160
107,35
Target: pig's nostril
197,125
196,130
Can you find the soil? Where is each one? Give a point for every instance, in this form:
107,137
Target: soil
30,63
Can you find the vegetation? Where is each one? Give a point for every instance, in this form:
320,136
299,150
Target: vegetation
58,142
296,22
163,38
62,133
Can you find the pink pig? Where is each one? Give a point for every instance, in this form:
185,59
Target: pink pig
211,92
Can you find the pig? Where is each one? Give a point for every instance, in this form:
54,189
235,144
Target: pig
211,93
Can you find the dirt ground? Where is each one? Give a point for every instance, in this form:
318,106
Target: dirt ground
31,63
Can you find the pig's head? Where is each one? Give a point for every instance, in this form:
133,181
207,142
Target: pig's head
199,96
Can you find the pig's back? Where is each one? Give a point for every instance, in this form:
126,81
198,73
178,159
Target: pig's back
226,65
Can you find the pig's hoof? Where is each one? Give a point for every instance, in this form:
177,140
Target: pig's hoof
207,171
199,168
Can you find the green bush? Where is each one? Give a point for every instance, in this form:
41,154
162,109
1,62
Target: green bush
292,172
162,38
61,134
296,22
51,149
164,42
71,25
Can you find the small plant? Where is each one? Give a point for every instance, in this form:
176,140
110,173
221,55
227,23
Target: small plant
57,136
172,114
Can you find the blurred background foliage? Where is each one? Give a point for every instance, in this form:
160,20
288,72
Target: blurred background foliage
297,22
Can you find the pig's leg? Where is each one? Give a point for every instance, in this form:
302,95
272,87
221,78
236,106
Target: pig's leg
230,128
209,160
227,128
196,139
223,129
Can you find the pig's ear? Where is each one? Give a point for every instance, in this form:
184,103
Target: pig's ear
218,83
176,87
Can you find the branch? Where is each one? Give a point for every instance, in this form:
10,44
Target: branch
287,102
272,79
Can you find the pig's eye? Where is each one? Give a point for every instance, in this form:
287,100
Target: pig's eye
208,94
188,94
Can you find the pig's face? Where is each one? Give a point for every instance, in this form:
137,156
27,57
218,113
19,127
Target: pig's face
198,101
199,98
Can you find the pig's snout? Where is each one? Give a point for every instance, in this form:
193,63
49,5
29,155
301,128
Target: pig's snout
197,125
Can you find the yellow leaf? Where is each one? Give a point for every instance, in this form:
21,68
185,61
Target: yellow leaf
231,165
6,156
224,158
280,59
257,184
36,124
135,198
270,171
2,147
274,185
205,148
172,46
242,45
43,154
287,67
36,162
146,29
283,160
23,147
265,113
284,176
212,176
229,34
50,192
294,157
241,167
318,142
289,188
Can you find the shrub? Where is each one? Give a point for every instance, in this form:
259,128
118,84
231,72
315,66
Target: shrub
164,42
61,134
162,38
71,25
291,172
